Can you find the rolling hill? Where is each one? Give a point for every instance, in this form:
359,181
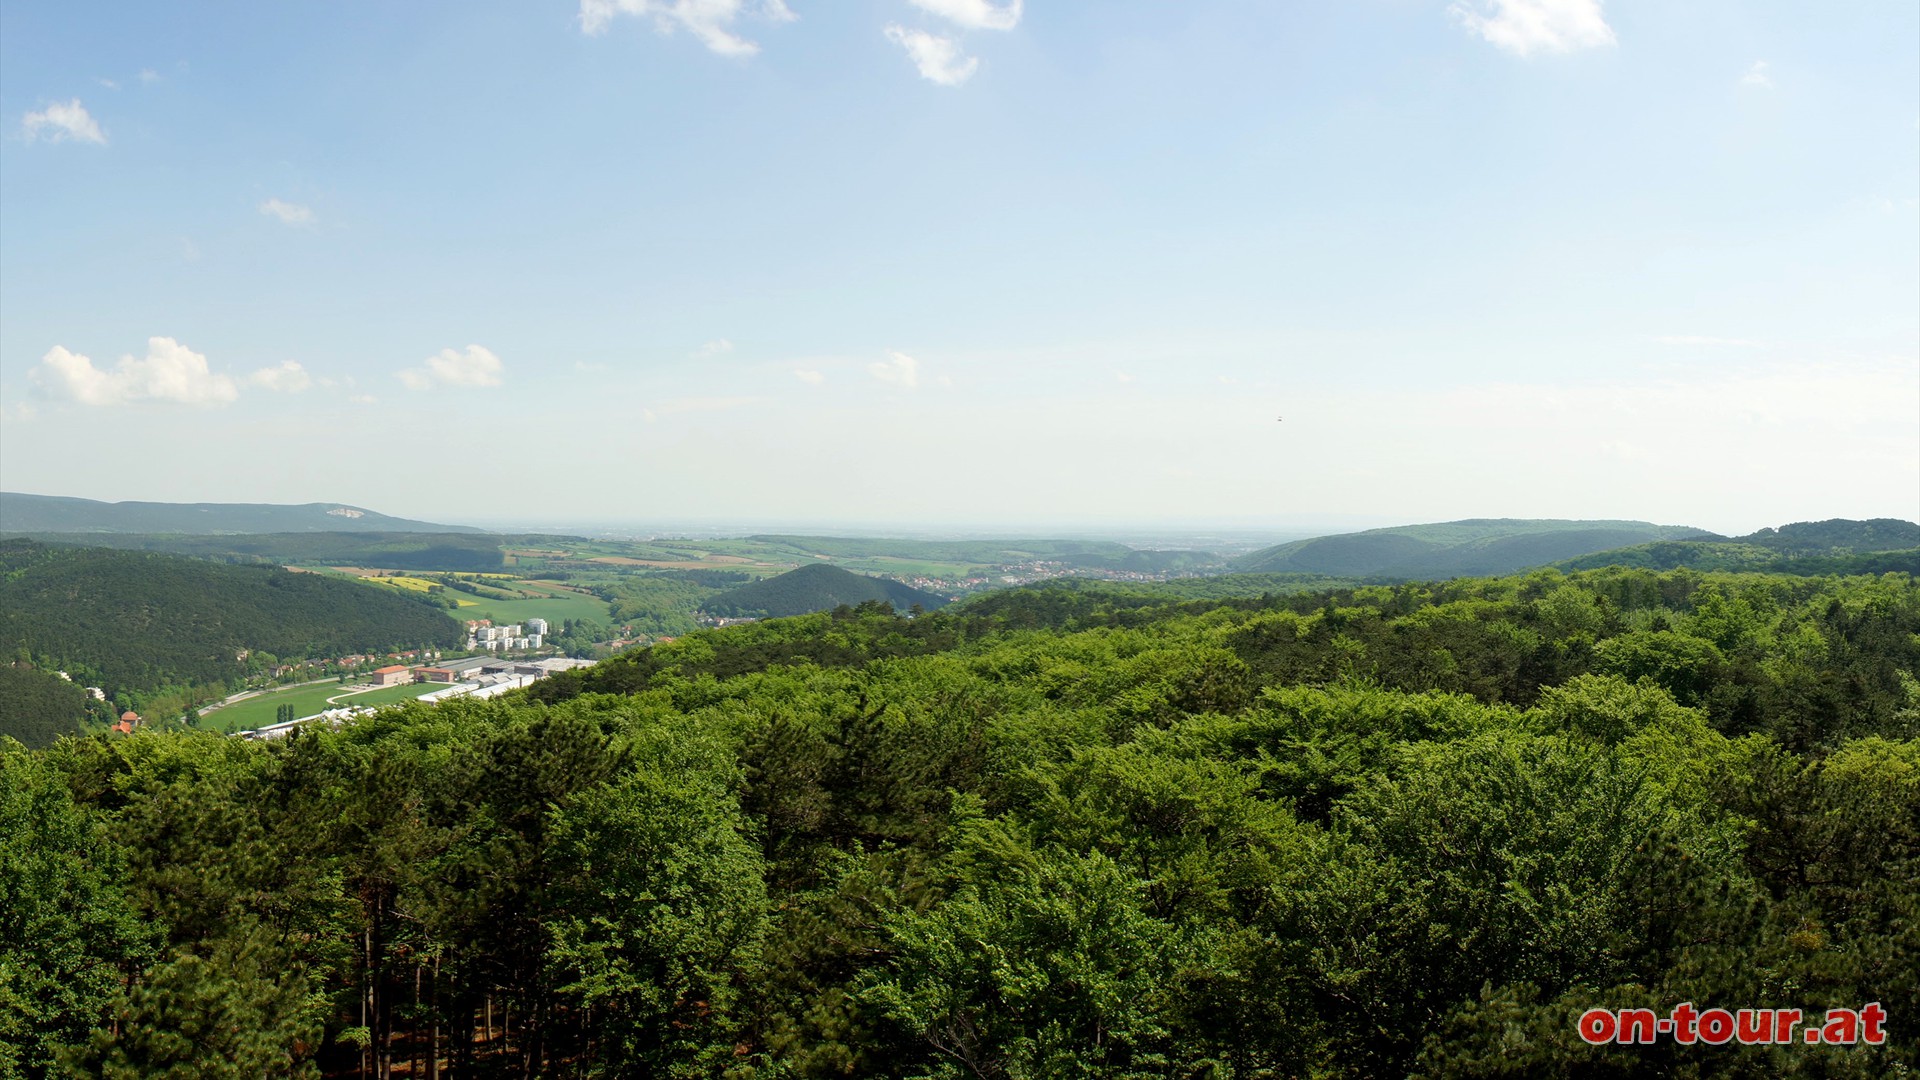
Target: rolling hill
816,588
1475,547
468,551
140,620
1836,546
22,513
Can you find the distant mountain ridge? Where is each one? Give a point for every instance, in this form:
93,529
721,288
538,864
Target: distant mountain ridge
819,587
1469,548
1835,546
24,513
1836,535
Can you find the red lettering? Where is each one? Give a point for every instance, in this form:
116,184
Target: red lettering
1636,1026
1755,1026
1871,1017
1683,1020
1842,1026
1597,1026
1716,1026
1784,1021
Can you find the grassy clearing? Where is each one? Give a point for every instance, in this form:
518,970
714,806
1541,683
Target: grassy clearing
259,712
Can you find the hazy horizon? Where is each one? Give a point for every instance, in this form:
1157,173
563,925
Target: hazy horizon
1236,531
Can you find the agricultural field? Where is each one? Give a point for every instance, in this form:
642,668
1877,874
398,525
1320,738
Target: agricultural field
499,597
257,712
536,600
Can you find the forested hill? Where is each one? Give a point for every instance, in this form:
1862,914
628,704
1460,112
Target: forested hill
1837,536
471,552
22,513
137,620
1390,831
1838,546
817,588
1470,548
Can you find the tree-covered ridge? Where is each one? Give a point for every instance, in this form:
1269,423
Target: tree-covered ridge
23,513
1475,547
818,587
1748,558
1838,536
137,620
1382,831
471,552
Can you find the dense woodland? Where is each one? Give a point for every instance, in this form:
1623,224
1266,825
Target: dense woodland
464,552
133,620
1384,831
37,707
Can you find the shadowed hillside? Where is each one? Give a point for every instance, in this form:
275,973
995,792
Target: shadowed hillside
470,551
125,619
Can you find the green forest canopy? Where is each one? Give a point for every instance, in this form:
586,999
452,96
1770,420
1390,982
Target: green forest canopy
1054,832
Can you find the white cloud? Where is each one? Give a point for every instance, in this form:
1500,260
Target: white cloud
711,21
108,83
61,121
1524,27
1121,376
288,378
1757,76
148,75
715,347
938,58
807,376
474,367
291,213
363,399
974,14
171,372
19,412
899,369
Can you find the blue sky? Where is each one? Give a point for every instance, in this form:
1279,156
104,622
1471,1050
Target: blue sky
960,262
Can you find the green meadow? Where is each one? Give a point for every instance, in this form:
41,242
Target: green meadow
258,712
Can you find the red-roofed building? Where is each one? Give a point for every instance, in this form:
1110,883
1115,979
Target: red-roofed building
393,675
128,721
